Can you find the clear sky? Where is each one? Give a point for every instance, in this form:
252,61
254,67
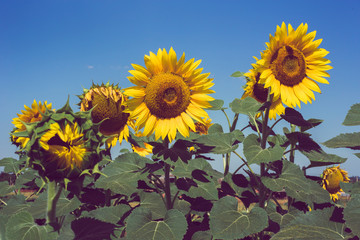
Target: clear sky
49,50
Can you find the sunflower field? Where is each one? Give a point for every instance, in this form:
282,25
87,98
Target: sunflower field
66,184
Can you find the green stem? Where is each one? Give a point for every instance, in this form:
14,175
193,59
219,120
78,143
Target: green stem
293,146
227,118
53,197
167,187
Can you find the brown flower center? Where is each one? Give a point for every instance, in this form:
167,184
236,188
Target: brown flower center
333,181
288,65
167,95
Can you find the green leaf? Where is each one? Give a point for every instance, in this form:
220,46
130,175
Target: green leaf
237,74
221,143
352,214
256,155
154,203
306,232
111,214
202,235
282,220
353,188
217,104
345,140
21,226
353,116
140,225
6,188
11,165
207,190
245,106
3,221
16,204
123,174
296,185
312,225
226,222
185,170
215,128
322,158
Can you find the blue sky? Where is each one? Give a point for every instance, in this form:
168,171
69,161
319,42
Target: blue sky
50,50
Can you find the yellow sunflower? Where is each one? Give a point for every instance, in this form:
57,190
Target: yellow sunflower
257,91
29,115
332,177
170,93
203,127
108,103
142,151
65,145
293,64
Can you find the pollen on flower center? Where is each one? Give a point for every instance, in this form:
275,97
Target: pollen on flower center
167,95
288,65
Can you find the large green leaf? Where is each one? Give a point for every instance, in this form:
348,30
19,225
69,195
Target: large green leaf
345,140
10,165
282,220
256,155
21,226
207,190
6,188
245,106
110,214
296,185
217,104
3,221
352,214
226,222
312,225
221,143
154,203
122,174
353,116
201,235
15,204
353,188
140,225
322,158
185,169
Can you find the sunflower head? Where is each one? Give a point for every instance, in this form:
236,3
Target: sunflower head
168,95
107,105
257,90
293,63
28,116
332,177
62,144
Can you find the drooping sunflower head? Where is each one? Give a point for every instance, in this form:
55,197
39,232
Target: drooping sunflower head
332,177
107,105
170,93
203,127
257,90
64,145
293,63
29,115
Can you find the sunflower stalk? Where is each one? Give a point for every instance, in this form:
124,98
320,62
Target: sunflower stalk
54,192
167,168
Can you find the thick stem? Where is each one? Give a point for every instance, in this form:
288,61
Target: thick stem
53,197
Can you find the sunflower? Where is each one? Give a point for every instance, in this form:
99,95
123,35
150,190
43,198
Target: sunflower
332,177
140,150
203,127
65,145
29,115
108,106
170,93
257,91
293,64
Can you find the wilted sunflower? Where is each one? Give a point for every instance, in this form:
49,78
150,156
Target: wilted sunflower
203,127
140,150
169,93
108,103
257,91
29,115
65,145
332,177
292,63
